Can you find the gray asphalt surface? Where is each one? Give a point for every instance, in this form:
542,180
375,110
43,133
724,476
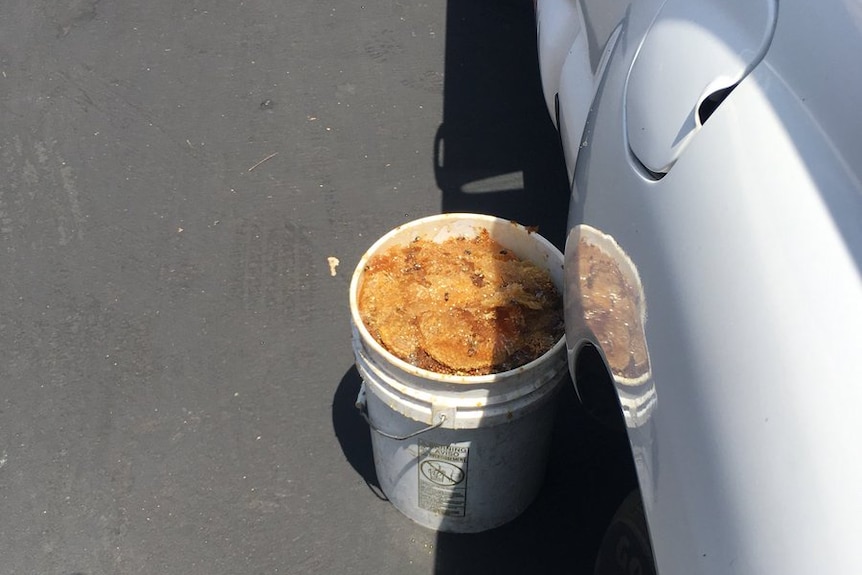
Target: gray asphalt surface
176,375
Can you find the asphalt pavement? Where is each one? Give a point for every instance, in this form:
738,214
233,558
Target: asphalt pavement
185,189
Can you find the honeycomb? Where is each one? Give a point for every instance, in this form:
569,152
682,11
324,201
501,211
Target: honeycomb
464,306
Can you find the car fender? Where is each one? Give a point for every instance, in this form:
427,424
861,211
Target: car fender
748,252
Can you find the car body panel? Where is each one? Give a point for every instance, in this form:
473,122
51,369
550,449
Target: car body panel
692,51
575,45
748,252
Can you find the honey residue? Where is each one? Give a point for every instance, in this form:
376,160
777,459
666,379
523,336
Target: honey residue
613,309
465,306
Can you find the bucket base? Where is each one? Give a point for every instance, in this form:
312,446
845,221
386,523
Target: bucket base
465,480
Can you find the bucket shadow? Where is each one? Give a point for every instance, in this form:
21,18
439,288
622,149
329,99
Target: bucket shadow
352,431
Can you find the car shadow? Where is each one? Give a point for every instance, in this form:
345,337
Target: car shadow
589,472
497,152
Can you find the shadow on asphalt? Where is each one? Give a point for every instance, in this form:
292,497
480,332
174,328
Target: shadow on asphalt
497,152
352,432
589,472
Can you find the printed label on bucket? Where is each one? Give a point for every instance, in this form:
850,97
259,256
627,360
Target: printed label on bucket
443,478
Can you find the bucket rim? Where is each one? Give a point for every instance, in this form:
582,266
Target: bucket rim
554,254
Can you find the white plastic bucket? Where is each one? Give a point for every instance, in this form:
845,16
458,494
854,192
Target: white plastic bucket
459,453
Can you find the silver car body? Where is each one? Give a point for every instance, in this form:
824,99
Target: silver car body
717,145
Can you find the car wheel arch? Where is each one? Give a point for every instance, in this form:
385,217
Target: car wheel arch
594,386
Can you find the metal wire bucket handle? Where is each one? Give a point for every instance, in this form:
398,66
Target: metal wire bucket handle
362,406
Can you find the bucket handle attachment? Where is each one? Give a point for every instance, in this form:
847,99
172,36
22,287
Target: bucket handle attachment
362,406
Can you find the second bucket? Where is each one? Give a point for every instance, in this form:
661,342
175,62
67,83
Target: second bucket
459,453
